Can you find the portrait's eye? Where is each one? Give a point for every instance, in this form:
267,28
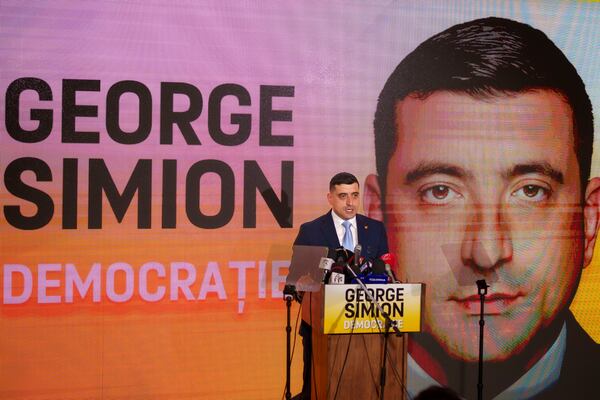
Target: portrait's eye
438,194
532,193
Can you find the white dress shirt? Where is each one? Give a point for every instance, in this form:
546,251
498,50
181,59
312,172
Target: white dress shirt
340,230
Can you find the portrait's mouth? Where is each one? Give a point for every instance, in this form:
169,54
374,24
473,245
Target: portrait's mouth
494,304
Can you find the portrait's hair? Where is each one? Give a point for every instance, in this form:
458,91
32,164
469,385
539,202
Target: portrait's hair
342,178
484,58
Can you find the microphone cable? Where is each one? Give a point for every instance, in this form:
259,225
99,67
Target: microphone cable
389,354
312,358
399,379
345,360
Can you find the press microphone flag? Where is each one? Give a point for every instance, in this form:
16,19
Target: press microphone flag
376,274
337,275
326,263
389,259
390,264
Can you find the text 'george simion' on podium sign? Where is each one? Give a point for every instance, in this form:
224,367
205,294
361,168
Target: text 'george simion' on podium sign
348,309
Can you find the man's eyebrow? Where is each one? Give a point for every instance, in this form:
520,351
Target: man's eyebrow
426,169
542,167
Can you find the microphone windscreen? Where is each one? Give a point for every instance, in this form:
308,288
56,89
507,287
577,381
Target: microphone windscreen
357,250
332,253
341,255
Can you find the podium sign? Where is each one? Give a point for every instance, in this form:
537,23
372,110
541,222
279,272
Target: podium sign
347,308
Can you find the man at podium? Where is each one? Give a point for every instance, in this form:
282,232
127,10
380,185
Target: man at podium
342,226
483,138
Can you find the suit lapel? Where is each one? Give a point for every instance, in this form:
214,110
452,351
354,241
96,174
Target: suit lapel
362,227
329,232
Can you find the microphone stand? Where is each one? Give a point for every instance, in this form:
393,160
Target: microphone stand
388,324
289,293
386,333
482,290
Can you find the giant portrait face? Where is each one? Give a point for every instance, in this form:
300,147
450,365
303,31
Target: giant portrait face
486,188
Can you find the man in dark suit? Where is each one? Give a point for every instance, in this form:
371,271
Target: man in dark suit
483,138
341,226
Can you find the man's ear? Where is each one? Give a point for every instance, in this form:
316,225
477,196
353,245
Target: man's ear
591,213
372,198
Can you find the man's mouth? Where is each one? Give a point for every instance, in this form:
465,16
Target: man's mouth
494,304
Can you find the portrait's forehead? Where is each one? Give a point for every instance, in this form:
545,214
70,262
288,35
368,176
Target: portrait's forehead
528,114
485,133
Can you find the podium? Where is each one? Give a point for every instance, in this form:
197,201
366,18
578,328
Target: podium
346,362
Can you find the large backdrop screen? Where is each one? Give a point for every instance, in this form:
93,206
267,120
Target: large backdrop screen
158,158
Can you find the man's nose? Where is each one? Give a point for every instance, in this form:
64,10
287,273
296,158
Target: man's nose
487,242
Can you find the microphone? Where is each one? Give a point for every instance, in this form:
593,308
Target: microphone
390,273
377,274
366,266
370,272
390,259
357,251
482,287
357,261
325,264
337,274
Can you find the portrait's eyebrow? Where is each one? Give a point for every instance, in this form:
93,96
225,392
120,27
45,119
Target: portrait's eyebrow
426,169
542,168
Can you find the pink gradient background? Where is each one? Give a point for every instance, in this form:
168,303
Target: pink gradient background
337,55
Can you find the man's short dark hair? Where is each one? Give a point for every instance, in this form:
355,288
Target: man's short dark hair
484,58
342,178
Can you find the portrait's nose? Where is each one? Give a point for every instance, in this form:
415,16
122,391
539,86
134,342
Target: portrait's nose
487,241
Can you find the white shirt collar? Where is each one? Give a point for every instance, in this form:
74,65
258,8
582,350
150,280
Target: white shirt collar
337,220
340,230
542,375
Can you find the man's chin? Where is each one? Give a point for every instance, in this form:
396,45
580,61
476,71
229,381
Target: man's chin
467,349
471,355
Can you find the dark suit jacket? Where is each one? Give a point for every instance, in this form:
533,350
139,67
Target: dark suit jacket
580,372
321,232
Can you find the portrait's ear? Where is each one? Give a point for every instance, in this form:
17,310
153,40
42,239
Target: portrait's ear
372,198
591,213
